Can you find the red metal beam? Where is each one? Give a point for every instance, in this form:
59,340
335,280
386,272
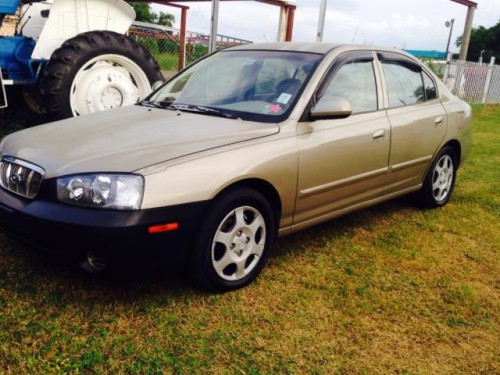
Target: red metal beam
168,3
467,3
172,2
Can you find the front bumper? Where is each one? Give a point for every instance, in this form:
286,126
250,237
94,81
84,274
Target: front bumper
120,237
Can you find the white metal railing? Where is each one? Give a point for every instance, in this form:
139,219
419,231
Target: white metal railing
474,82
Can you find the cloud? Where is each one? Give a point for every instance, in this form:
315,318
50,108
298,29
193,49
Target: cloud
413,25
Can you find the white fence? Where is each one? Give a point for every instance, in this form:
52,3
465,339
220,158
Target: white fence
474,82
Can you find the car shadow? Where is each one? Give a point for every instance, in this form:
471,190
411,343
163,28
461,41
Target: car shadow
26,270
344,225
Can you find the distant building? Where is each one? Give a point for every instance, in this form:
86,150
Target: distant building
430,54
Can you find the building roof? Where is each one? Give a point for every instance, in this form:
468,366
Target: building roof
431,54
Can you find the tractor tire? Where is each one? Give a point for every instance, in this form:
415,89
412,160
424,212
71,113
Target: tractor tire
96,71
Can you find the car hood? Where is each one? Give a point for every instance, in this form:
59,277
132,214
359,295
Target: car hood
126,139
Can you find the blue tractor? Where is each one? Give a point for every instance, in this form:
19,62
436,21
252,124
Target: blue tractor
73,56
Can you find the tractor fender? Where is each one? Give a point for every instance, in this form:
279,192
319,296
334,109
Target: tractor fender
68,18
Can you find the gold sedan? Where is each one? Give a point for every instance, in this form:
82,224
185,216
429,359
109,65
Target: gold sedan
249,143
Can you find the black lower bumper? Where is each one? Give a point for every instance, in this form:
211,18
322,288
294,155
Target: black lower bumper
120,237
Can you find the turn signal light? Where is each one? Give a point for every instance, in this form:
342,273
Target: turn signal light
163,228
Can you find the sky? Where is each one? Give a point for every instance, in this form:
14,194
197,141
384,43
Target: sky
415,24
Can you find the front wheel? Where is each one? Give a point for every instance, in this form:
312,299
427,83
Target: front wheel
234,241
96,71
440,179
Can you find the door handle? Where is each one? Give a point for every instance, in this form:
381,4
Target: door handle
438,121
378,135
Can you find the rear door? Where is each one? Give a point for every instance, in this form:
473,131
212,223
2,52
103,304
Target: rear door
417,118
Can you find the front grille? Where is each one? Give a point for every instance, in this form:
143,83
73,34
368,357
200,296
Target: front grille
20,177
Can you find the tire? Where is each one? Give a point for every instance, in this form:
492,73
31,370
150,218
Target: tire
234,241
440,179
95,71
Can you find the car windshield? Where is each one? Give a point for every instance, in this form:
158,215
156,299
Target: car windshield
252,85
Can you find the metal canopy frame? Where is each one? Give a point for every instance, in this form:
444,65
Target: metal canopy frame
471,7
285,31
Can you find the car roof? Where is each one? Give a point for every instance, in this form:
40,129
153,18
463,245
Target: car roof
313,47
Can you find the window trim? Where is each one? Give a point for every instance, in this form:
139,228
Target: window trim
336,64
433,82
405,61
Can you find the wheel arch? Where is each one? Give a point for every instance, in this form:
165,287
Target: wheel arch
454,145
457,149
263,187
119,17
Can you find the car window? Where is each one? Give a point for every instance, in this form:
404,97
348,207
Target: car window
404,83
254,85
205,85
355,82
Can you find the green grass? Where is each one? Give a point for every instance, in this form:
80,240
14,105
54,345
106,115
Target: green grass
167,61
391,289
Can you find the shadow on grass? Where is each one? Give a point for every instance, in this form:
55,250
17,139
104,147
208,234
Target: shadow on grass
342,226
31,273
26,271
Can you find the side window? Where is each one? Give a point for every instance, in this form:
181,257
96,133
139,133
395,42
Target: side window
430,87
355,81
404,83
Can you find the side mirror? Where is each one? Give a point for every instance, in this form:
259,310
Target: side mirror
331,107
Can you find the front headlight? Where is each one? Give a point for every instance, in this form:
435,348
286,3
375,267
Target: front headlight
114,191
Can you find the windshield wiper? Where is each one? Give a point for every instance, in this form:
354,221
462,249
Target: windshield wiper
201,109
150,103
167,104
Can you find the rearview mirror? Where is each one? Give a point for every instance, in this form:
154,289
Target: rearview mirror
331,107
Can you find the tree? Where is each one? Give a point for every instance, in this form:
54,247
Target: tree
483,39
166,19
144,13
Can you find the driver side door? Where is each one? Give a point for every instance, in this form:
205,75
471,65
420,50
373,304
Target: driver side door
343,162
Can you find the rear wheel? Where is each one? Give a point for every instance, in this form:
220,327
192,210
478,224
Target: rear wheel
233,244
440,179
96,71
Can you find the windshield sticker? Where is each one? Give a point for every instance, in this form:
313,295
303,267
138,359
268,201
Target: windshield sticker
284,98
275,108
249,62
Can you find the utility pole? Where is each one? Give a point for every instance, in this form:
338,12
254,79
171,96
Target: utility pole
212,46
450,25
321,21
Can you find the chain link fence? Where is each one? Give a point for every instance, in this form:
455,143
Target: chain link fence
8,26
164,43
474,82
